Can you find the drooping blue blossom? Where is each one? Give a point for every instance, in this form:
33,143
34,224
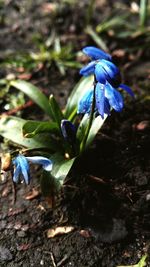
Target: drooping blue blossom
43,161
21,166
106,97
68,130
104,71
95,53
107,80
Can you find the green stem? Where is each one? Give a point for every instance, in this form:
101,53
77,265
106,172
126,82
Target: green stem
83,143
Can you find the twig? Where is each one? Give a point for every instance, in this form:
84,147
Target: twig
62,261
15,110
53,260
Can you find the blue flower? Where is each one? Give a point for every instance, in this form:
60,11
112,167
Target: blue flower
101,66
21,166
104,71
68,131
96,53
43,161
106,97
107,80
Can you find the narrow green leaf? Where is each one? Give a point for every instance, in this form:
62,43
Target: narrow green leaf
96,125
96,38
61,167
11,128
34,93
81,87
31,128
143,12
82,127
111,23
49,185
55,110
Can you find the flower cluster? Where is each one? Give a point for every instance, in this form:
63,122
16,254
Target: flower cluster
21,166
107,81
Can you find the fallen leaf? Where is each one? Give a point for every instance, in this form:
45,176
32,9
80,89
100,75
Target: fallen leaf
85,233
49,7
25,76
141,126
5,162
59,231
33,194
24,247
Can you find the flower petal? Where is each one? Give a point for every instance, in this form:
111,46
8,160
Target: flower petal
17,173
45,162
101,75
112,73
114,97
24,166
106,106
84,105
127,89
100,98
88,69
96,53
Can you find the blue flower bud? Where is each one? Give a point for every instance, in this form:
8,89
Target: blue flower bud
68,131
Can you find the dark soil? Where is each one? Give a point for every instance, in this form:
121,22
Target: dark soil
106,197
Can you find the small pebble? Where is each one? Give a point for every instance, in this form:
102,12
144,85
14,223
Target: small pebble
21,234
148,197
5,254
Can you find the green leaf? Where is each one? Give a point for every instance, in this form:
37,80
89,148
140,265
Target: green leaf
11,128
49,185
111,23
34,93
71,108
96,125
55,110
61,167
143,12
141,263
31,128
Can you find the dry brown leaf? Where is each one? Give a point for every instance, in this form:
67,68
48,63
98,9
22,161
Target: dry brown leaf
59,231
33,194
141,126
85,233
25,76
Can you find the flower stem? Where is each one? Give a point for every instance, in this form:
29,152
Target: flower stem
85,137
